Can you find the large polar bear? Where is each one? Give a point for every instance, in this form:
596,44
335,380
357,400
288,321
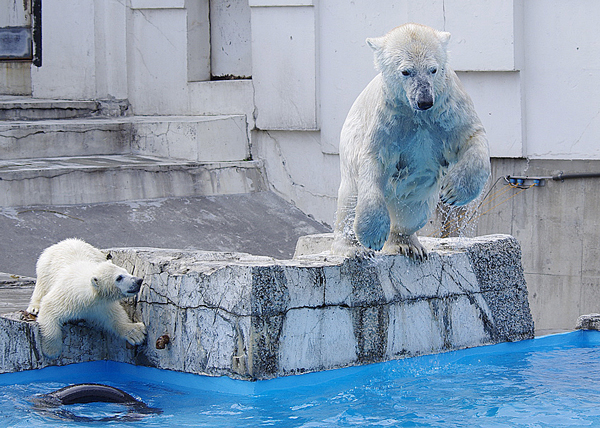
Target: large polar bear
411,137
76,281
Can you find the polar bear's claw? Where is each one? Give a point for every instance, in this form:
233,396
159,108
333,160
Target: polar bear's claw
408,246
450,197
33,310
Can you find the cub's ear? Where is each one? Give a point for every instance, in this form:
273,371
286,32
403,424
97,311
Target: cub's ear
95,282
444,37
376,43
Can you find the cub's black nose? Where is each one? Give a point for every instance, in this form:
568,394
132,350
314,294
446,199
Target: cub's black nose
135,288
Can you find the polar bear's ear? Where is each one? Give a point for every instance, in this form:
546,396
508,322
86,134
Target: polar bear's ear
95,282
444,38
376,43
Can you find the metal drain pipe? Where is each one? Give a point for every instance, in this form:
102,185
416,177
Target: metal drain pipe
562,176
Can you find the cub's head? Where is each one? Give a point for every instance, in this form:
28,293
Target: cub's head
114,282
413,61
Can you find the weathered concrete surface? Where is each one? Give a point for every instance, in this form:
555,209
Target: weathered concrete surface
27,108
254,317
557,227
109,178
258,223
195,138
588,322
15,292
20,345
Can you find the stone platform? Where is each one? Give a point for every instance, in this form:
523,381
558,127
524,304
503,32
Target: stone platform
252,317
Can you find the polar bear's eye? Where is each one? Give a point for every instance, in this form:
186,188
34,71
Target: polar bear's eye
433,70
119,278
405,73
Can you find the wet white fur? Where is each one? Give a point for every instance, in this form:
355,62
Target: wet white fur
76,281
397,160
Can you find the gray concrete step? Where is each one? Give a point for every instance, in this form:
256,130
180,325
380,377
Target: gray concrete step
199,138
109,178
15,292
259,223
66,137
27,108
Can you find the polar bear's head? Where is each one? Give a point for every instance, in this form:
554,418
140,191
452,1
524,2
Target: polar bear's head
412,59
114,282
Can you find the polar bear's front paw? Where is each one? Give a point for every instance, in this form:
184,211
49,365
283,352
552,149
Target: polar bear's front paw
464,182
454,193
33,309
136,334
407,245
372,225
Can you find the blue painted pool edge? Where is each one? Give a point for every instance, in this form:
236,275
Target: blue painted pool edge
107,371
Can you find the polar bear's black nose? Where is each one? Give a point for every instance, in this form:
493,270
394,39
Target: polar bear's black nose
136,287
425,103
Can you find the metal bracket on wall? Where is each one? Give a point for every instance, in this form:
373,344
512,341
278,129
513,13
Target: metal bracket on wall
524,182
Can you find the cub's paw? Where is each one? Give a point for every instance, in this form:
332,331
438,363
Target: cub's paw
33,309
136,333
372,225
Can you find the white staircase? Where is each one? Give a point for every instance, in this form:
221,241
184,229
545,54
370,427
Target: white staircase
75,152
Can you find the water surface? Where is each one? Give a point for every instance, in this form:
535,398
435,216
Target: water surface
552,381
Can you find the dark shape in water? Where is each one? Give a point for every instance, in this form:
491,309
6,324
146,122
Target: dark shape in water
84,393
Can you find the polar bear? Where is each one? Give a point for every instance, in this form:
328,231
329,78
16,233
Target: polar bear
76,281
411,137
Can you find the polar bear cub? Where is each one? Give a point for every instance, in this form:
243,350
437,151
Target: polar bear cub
412,137
76,281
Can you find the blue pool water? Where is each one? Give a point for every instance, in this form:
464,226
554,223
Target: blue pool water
552,381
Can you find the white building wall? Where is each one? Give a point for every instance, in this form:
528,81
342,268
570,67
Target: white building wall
110,49
562,79
346,61
157,54
230,36
68,49
284,71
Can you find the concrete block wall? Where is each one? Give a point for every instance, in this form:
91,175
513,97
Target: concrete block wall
558,228
251,317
